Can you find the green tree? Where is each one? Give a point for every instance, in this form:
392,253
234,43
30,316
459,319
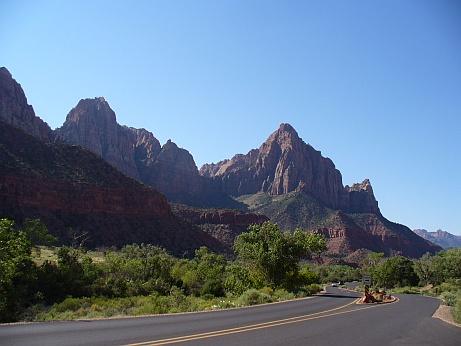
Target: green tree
37,232
424,268
136,270
395,272
275,255
17,274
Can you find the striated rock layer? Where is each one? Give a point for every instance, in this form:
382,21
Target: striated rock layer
285,163
222,224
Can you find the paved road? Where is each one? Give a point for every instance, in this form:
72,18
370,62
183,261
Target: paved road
331,319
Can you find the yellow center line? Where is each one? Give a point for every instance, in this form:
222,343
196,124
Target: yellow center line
249,327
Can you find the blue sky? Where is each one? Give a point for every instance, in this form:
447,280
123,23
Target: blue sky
374,85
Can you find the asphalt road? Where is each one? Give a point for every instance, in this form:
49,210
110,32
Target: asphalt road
331,319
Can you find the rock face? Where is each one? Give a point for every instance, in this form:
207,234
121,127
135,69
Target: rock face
15,111
76,193
137,153
441,238
283,164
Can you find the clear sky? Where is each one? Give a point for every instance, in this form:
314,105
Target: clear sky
374,85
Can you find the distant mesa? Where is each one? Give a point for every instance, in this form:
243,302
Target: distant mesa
441,238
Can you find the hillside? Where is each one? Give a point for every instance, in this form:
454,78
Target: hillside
346,232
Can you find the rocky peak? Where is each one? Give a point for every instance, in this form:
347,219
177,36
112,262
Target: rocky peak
180,158
93,125
15,111
363,186
4,73
284,163
96,110
360,198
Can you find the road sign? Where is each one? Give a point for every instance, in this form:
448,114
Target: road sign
366,280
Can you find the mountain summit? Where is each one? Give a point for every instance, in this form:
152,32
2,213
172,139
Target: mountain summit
285,163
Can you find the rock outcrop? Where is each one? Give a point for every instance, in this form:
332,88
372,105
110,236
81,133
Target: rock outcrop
92,124
15,111
285,163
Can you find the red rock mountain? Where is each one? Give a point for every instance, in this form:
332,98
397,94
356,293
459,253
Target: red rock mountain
295,186
92,124
79,195
283,164
79,191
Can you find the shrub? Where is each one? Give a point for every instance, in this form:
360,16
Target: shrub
449,298
281,294
253,297
312,289
212,287
457,309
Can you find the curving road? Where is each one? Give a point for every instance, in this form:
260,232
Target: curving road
330,319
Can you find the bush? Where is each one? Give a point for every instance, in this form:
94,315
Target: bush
457,309
312,289
212,287
253,297
449,298
281,295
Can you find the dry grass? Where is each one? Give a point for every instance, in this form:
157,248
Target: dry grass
41,254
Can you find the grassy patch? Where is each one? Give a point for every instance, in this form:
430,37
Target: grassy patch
41,254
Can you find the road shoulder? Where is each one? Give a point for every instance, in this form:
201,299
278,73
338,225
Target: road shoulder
444,313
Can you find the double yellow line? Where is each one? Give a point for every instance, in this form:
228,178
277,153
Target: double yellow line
251,327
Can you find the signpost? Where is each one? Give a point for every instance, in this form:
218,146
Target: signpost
366,280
